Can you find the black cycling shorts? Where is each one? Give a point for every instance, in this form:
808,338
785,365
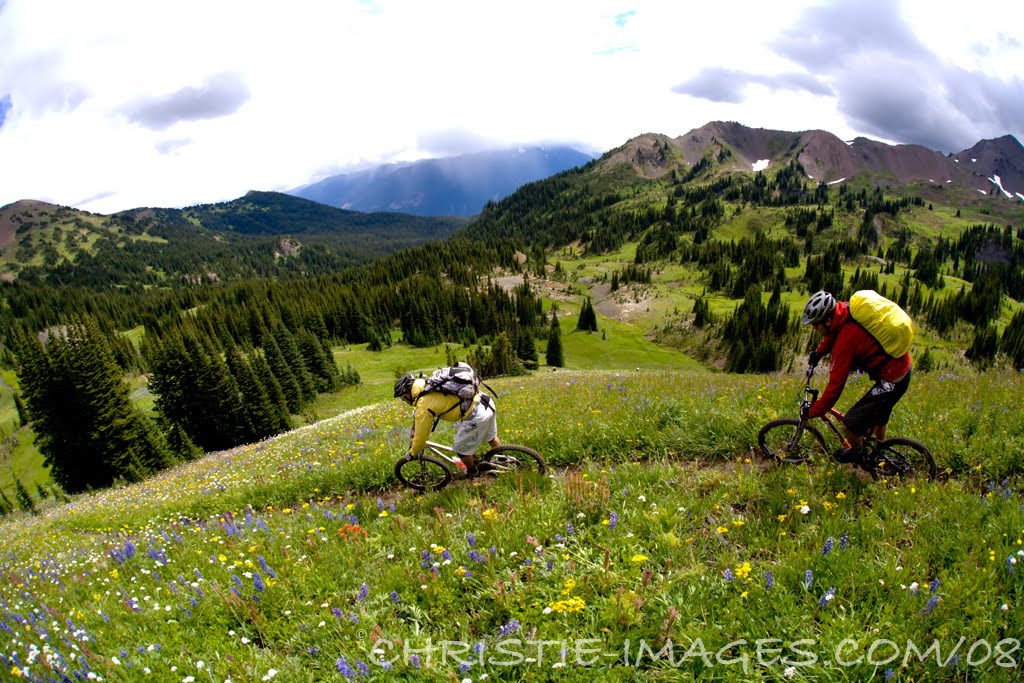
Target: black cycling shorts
875,407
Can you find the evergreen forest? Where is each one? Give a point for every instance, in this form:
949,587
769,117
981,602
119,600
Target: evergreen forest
233,313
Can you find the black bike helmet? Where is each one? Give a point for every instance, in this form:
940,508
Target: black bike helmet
404,385
818,309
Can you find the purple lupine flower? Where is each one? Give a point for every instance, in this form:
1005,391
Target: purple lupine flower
266,568
934,585
478,648
364,591
769,580
344,668
336,612
728,574
198,575
471,539
313,652
257,582
414,660
559,538
477,557
613,520
493,550
238,594
446,555
464,667
511,627
235,580
844,540
808,578
394,596
353,617
930,605
550,565
380,505
828,546
829,595
889,673
570,530
129,549
362,668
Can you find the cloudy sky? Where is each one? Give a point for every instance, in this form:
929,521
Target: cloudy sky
113,104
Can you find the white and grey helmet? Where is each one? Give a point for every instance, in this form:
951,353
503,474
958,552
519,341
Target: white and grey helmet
818,309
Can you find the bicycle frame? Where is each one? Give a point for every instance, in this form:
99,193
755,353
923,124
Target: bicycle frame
827,418
446,453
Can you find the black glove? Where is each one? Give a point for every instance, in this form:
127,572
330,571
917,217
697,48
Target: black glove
812,360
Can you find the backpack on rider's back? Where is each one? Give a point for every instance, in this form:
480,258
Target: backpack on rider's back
884,320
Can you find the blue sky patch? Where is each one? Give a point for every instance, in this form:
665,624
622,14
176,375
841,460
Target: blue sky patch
5,106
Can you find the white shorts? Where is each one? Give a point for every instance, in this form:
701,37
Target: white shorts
479,426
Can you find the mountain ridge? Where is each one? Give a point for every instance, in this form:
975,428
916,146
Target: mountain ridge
447,186
827,158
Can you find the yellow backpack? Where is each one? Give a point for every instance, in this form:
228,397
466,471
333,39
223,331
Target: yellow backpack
884,320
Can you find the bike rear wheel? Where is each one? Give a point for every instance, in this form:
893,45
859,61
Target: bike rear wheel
423,473
787,440
505,459
903,458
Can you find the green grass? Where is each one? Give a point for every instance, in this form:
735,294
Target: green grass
658,526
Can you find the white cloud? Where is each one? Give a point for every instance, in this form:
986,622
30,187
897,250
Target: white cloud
167,104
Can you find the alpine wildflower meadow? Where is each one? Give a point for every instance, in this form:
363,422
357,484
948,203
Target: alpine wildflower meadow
660,546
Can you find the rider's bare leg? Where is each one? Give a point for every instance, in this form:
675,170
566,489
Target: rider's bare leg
856,440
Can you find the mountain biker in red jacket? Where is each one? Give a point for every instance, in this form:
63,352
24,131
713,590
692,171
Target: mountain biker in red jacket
853,348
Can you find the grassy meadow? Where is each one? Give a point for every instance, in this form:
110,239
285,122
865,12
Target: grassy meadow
660,547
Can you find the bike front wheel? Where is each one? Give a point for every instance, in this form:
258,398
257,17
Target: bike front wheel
504,459
905,459
788,440
423,473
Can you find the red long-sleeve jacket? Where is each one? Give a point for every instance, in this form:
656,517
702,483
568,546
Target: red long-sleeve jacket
853,348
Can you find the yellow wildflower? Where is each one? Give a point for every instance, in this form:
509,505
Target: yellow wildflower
743,570
570,584
639,558
723,529
840,495
738,522
570,605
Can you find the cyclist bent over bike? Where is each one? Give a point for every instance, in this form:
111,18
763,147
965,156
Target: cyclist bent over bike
477,425
853,348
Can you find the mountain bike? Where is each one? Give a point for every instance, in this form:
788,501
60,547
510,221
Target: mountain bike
795,440
436,467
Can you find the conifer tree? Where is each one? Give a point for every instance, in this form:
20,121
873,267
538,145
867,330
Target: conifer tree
23,497
263,415
272,386
283,372
290,351
319,361
86,427
19,405
6,506
588,318
554,355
